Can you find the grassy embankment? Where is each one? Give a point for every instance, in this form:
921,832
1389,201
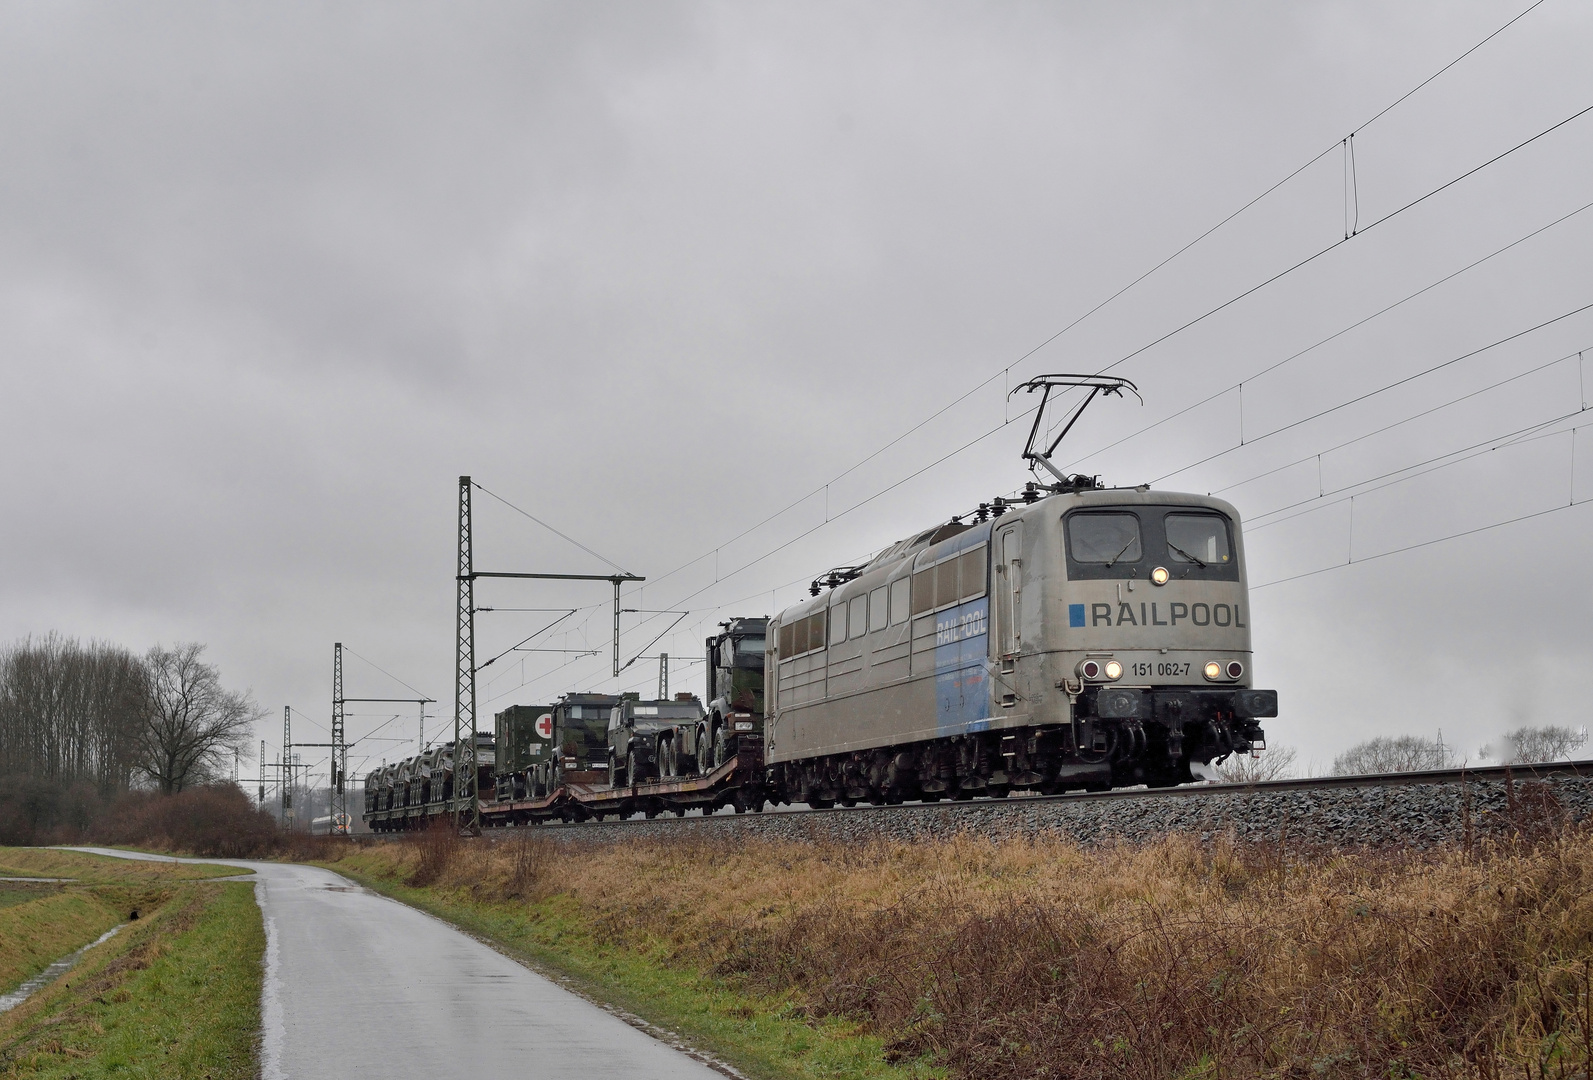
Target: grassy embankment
175,994
1038,959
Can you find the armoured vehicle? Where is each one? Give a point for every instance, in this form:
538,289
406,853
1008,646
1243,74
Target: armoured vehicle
648,740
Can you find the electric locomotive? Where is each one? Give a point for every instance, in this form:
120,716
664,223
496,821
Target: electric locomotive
1080,637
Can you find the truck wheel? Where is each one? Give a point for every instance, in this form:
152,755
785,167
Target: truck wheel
705,762
721,748
632,770
615,780
666,760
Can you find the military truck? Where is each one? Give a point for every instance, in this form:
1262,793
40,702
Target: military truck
734,715
579,751
524,739
649,740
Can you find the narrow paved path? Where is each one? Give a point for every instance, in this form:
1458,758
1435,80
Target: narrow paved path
360,985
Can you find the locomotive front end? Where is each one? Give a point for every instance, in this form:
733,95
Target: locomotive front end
1146,608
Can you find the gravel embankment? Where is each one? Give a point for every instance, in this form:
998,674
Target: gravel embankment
1420,815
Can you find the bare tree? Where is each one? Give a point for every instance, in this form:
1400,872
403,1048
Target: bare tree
1549,743
1274,764
192,724
69,712
1407,753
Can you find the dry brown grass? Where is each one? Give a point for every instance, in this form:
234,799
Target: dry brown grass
1171,959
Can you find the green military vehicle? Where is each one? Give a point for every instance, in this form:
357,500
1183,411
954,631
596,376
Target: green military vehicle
734,715
579,753
524,739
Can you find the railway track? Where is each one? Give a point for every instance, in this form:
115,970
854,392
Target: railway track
1422,808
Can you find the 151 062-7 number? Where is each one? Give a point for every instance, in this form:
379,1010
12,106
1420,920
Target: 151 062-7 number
1164,670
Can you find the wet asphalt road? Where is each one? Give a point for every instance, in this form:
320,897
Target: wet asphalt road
360,985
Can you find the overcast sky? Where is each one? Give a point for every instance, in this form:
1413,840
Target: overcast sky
273,276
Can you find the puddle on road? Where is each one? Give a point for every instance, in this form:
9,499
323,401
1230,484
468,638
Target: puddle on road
51,973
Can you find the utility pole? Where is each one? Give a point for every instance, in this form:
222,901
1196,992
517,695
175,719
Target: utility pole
420,735
261,777
663,676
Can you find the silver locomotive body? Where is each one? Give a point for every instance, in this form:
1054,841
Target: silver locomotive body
1086,639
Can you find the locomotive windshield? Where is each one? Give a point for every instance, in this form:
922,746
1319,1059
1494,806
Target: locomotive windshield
1129,543
1197,538
1104,538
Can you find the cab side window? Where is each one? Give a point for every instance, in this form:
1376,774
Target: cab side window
878,612
899,603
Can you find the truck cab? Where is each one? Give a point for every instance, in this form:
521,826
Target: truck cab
735,692
579,743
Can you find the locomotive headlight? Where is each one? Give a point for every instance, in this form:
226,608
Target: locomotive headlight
1213,670
1114,670
1159,576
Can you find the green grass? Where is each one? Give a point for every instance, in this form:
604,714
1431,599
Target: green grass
45,927
175,995
93,869
13,893
766,1038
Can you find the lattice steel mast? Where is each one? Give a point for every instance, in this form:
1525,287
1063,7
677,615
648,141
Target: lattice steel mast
286,777
467,808
337,804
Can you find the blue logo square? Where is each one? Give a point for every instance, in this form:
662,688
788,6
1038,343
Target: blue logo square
1075,614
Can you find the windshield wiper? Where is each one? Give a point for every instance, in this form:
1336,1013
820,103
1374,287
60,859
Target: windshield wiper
1110,562
1180,551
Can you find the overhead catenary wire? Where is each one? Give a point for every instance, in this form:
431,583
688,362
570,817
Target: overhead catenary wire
1006,369
1168,335
1280,275
1530,433
719,578
1396,424
1269,369
383,670
1380,390
550,528
1423,544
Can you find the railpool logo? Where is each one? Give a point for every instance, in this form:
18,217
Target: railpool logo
954,627
1151,615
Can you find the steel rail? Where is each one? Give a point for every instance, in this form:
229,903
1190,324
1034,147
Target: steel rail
1524,772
